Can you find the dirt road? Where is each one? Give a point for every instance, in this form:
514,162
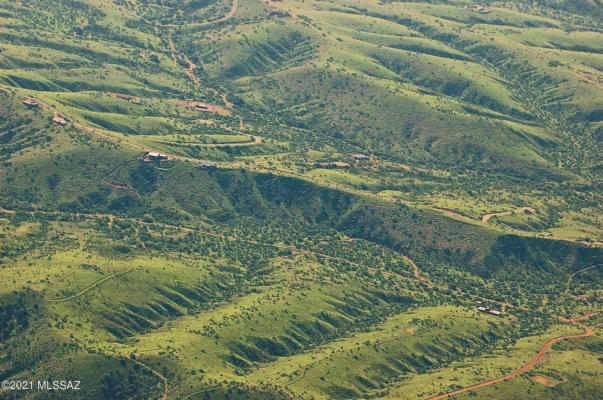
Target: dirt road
256,140
293,250
288,393
191,65
487,217
230,14
585,79
587,332
173,51
89,288
156,373
569,281
415,268
110,137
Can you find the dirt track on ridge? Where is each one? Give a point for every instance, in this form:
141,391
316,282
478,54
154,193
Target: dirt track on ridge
230,14
487,217
256,140
569,281
156,373
415,268
587,332
103,134
89,288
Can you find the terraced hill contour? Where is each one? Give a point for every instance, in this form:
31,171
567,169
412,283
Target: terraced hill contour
319,226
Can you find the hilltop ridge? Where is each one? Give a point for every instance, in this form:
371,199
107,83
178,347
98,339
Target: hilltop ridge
310,199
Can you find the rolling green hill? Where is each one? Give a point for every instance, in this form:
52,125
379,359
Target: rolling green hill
343,184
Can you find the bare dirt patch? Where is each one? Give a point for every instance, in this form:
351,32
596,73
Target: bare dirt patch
210,108
227,103
545,380
127,97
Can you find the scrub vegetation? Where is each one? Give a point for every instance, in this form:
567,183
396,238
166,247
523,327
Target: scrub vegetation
338,186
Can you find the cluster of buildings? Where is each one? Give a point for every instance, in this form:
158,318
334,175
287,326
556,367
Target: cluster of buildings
57,119
154,156
30,103
481,9
488,311
209,165
149,156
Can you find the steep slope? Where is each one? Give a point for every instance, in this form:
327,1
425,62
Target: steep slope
317,228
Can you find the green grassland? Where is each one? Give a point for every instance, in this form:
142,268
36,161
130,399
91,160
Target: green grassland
206,139
497,364
571,371
289,271
269,294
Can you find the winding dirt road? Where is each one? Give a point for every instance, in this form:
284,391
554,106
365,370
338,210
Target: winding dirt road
227,16
587,332
487,217
112,137
256,140
569,281
585,79
415,268
105,179
190,73
156,373
89,288
294,250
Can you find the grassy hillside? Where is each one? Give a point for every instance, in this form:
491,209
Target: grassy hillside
215,279
485,112
345,183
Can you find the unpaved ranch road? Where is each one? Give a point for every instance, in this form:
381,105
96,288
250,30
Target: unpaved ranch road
487,217
587,332
230,14
419,279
